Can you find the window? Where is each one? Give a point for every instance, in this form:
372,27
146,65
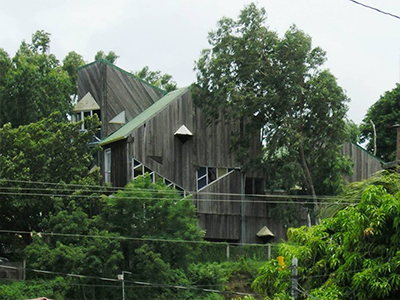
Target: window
207,175
81,115
254,186
107,165
140,169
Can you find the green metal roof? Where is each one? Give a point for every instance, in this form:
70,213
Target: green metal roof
140,119
369,153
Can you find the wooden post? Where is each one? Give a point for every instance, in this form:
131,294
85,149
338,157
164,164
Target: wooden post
294,279
242,208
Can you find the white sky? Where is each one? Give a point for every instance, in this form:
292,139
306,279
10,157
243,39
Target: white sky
363,46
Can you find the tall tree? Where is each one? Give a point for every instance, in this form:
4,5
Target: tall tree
276,85
111,57
71,63
34,85
158,212
163,81
384,114
48,151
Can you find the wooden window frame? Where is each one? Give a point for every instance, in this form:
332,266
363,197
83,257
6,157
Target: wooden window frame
107,165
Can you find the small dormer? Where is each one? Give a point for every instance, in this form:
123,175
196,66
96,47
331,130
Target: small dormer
86,107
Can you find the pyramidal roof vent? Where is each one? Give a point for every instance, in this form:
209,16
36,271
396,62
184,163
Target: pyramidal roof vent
183,134
87,103
265,232
119,119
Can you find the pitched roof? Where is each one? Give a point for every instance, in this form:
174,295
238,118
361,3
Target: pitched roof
123,71
124,131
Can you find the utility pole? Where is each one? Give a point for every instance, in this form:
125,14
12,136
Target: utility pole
121,277
294,279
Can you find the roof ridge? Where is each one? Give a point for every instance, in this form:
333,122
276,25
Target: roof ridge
369,153
154,109
123,71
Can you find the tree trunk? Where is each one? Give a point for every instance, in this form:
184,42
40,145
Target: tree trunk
309,178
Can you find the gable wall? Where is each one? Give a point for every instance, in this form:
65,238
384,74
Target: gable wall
115,91
125,92
365,164
209,146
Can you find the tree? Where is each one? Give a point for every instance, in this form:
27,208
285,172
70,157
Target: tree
163,81
276,85
49,151
384,114
71,63
352,255
353,132
96,255
33,84
40,41
111,57
152,210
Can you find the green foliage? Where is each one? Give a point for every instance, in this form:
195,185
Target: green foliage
111,57
53,289
384,113
208,275
46,151
276,85
352,255
353,132
33,84
71,63
163,81
146,209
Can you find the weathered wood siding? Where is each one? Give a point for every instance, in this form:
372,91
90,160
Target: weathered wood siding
209,146
119,176
220,215
115,90
365,164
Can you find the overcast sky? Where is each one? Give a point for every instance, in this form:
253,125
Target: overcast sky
363,46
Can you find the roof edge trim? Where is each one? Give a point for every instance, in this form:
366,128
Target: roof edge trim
112,141
369,153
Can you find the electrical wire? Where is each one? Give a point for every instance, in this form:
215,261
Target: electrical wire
140,283
376,9
174,200
172,191
132,238
304,292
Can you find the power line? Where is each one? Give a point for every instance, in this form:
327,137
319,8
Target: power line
304,292
140,283
376,9
169,191
170,199
131,238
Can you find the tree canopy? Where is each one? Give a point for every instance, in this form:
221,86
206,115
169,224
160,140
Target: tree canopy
33,83
111,57
71,63
163,81
49,151
384,114
276,85
352,255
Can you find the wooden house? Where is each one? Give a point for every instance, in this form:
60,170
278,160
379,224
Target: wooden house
146,130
